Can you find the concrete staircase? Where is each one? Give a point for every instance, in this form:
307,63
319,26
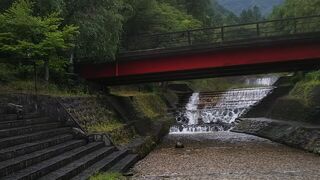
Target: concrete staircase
36,147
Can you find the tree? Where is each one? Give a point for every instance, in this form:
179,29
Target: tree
26,36
100,24
150,16
296,8
251,15
5,4
257,15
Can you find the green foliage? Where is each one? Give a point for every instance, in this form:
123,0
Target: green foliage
119,133
151,106
27,86
105,127
107,176
5,4
45,7
303,89
216,84
296,8
28,36
25,36
251,15
151,16
100,23
209,12
7,73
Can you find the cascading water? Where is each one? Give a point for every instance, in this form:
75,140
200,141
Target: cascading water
263,81
192,109
217,111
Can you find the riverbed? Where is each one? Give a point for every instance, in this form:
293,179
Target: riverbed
226,155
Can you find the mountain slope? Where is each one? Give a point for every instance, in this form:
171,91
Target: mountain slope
237,6
222,15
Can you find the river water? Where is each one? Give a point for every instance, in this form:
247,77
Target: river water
213,152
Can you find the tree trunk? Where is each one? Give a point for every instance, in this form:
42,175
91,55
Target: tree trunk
71,64
46,70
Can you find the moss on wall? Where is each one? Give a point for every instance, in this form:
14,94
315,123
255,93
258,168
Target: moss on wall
150,106
95,116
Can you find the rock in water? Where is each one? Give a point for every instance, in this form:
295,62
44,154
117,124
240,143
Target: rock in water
179,145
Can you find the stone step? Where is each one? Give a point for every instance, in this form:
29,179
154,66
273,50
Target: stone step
125,164
9,166
26,148
26,138
11,117
79,165
49,165
23,122
28,129
102,165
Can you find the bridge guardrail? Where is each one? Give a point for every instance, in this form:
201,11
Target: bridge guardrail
219,35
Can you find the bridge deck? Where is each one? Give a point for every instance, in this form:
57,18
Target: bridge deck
293,45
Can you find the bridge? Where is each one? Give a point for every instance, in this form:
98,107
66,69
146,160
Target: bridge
261,47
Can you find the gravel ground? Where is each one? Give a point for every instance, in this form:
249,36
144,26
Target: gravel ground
226,155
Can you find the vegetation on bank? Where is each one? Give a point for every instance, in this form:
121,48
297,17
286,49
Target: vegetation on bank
28,87
217,84
305,89
151,105
146,98
302,101
108,176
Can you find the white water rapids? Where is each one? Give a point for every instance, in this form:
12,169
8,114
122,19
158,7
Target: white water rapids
217,111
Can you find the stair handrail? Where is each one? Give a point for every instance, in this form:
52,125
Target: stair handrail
71,117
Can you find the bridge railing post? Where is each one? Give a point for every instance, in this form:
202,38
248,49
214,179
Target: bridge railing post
222,33
189,37
258,30
295,26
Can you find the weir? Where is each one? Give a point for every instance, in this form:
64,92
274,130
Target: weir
217,111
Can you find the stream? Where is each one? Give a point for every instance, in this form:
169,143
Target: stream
212,151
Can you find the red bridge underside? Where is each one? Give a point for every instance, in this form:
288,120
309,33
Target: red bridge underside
212,63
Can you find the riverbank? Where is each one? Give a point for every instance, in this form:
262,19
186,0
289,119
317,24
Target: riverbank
226,155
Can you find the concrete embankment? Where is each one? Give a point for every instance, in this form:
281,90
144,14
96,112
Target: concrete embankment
295,134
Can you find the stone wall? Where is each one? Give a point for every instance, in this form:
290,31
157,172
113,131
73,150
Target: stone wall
97,115
141,132
43,104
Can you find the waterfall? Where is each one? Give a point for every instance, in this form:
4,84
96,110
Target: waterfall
192,113
217,111
263,81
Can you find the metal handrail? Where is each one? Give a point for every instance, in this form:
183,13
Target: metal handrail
233,25
220,34
72,118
